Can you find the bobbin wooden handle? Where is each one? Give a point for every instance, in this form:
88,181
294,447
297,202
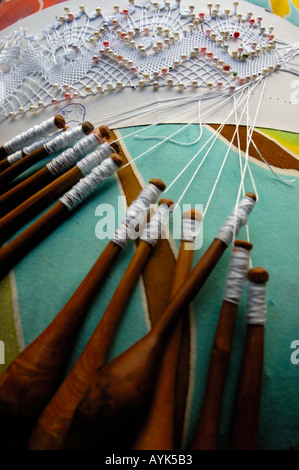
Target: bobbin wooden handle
53,425
59,122
32,206
25,189
115,406
29,160
246,420
4,164
158,430
19,167
32,378
12,253
206,434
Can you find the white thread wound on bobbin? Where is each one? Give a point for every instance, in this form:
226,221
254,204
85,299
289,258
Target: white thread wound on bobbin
237,275
154,228
190,229
235,220
70,156
30,135
15,157
88,184
64,139
256,304
136,215
94,159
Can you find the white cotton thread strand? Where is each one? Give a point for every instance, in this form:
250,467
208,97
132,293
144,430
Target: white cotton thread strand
190,229
88,184
136,215
70,156
177,142
249,138
30,135
64,140
15,157
213,137
235,220
88,163
256,304
225,158
237,275
153,230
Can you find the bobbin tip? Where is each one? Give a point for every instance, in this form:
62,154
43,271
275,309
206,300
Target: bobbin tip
243,244
252,195
87,127
192,214
168,202
158,183
59,121
105,131
115,147
65,128
258,275
116,158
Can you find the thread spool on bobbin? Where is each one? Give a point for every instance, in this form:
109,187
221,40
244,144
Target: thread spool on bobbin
246,420
60,142
58,121
206,434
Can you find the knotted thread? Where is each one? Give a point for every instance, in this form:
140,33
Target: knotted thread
70,156
30,135
237,275
63,140
154,228
256,304
94,159
88,184
235,220
136,215
190,229
15,157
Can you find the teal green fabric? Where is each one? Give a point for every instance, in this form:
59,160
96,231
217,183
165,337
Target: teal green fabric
58,265
274,234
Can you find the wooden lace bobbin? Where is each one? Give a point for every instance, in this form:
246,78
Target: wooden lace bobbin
114,407
19,154
54,423
31,379
14,251
158,430
32,206
246,420
29,160
35,182
58,122
206,434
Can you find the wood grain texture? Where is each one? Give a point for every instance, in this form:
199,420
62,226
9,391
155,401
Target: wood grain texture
22,191
246,421
54,424
206,433
14,251
19,167
158,430
116,404
32,378
35,204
